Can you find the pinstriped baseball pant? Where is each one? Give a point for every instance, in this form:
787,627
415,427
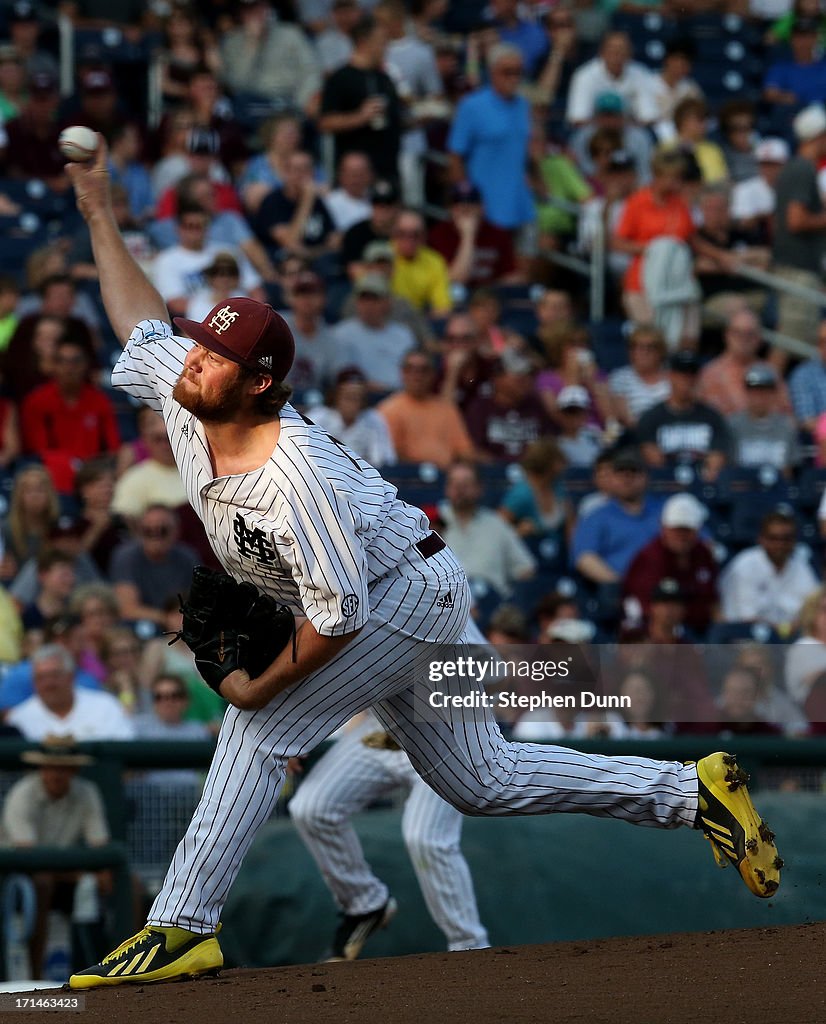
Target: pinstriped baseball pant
467,762
349,777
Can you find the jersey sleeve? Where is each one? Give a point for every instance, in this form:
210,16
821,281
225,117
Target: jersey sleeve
320,542
151,362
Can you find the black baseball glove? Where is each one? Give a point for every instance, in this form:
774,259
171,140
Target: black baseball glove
229,625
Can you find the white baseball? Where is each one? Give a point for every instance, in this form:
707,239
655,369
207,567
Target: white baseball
78,144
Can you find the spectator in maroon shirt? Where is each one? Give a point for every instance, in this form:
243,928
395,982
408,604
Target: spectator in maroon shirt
68,419
466,367
503,423
662,650
478,253
680,554
32,147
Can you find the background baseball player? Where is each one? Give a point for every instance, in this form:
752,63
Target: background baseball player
363,765
289,509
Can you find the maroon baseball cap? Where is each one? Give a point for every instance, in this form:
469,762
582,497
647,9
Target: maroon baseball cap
246,331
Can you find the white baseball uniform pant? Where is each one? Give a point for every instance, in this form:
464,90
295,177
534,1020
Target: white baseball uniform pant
347,779
466,762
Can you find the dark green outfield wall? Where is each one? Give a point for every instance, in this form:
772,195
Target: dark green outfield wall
539,879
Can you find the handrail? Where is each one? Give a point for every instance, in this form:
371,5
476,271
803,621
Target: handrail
66,36
793,345
780,284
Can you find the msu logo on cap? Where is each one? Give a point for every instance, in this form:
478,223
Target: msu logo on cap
223,319
246,331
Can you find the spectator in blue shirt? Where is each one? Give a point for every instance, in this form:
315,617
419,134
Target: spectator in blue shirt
527,36
807,385
17,683
801,80
488,141
126,169
606,541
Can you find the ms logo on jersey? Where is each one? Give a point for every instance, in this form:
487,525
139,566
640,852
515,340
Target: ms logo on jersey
224,318
252,543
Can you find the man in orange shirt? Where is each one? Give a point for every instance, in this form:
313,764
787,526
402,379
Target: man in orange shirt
655,211
68,419
424,427
722,382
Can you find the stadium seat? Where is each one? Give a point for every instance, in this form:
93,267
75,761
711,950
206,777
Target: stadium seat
609,343
644,28
15,251
737,632
527,594
496,479
485,601
578,481
550,552
418,483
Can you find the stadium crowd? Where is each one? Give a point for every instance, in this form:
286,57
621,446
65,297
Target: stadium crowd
413,186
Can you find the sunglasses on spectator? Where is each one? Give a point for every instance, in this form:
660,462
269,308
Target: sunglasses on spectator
781,538
156,532
509,72
458,336
409,233
644,344
160,695
416,368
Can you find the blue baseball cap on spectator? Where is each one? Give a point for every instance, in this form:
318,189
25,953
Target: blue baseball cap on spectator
609,103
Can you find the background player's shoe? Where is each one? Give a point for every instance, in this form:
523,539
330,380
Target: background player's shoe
356,929
731,824
154,954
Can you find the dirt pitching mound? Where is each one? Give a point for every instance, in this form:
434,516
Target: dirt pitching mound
750,975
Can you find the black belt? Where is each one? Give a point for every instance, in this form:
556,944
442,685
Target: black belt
430,545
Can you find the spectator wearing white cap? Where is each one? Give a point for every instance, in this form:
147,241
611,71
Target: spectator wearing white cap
579,441
679,553
753,200
800,225
762,436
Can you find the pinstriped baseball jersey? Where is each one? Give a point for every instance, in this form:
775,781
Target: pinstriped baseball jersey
316,526
318,529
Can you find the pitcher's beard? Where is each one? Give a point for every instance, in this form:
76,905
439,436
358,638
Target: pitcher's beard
220,407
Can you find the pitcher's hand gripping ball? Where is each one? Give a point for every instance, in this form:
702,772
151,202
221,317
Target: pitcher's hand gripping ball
78,144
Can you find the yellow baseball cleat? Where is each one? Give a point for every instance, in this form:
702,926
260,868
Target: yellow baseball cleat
154,954
731,824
